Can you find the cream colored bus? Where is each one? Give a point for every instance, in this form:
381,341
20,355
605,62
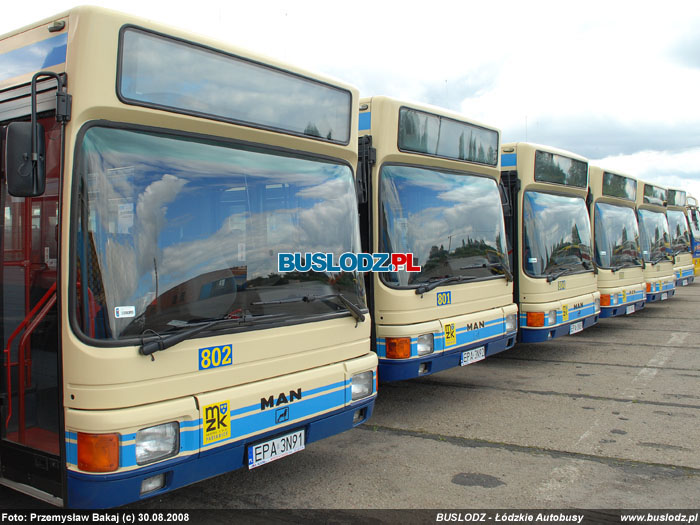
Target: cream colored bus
431,189
617,250
656,247
693,214
550,234
150,341
681,244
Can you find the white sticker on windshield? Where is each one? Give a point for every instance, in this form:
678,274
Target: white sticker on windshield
532,260
124,311
126,218
602,252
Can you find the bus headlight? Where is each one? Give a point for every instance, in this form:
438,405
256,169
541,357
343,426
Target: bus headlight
551,318
158,442
597,304
511,323
425,344
361,385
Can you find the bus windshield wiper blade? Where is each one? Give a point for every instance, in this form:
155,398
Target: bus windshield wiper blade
347,303
659,259
439,282
172,339
502,266
553,276
186,331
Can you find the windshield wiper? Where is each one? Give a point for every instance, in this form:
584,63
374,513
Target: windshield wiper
628,264
171,340
553,276
659,259
442,280
186,331
502,266
349,305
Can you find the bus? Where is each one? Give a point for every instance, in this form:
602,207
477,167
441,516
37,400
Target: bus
693,214
617,251
549,234
681,244
152,177
430,180
656,247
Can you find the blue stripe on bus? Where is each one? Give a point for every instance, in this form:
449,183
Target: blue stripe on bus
492,328
190,431
365,121
34,57
509,159
574,314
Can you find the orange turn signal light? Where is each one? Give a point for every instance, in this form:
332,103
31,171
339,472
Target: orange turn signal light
648,287
604,299
398,347
98,452
535,319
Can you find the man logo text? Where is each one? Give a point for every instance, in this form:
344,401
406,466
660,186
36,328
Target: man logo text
281,399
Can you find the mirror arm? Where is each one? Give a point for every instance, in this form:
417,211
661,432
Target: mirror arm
62,107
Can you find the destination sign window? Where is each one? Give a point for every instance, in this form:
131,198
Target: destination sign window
676,198
186,78
619,186
654,195
422,132
558,169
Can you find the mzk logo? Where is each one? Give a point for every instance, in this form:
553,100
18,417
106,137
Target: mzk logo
347,262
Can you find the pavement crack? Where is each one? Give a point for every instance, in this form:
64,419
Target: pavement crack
616,462
427,382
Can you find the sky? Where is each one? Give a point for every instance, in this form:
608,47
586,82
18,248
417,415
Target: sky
615,81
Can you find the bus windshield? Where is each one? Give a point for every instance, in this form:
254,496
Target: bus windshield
616,237
556,234
451,222
694,221
653,230
680,237
176,230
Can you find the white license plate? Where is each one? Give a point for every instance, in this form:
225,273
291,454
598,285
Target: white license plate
684,282
473,355
664,296
276,448
575,328
630,309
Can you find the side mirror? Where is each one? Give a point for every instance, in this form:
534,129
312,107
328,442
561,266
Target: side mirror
26,176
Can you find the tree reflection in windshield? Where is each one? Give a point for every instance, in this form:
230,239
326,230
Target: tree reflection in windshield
653,229
556,234
616,236
678,228
175,230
